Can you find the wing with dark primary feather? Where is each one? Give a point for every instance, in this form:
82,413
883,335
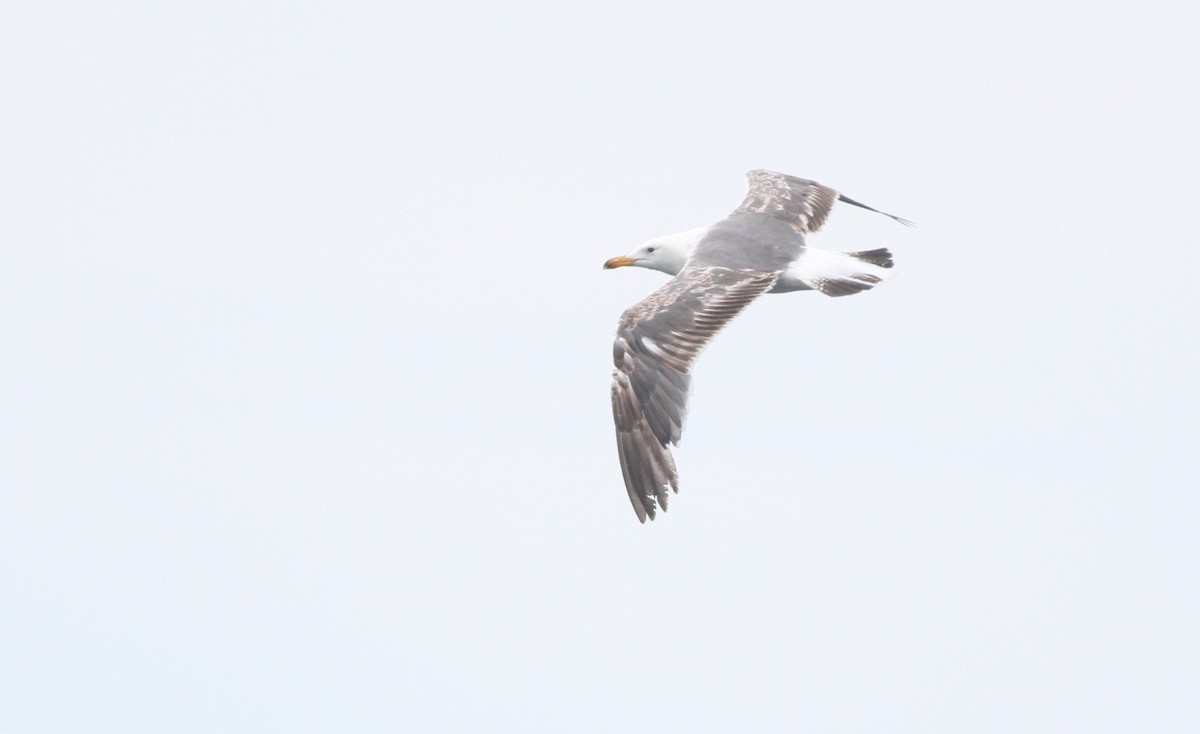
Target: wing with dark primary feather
657,341
802,203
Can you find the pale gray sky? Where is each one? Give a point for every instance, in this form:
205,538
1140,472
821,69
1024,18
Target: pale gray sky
307,347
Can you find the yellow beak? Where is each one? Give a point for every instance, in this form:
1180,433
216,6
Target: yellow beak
617,262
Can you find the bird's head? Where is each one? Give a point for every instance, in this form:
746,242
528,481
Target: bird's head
668,254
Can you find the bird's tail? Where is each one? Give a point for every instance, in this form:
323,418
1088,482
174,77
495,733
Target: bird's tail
842,273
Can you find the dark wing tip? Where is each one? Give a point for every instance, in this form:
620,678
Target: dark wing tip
646,463
859,204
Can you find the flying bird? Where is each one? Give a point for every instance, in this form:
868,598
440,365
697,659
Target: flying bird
718,270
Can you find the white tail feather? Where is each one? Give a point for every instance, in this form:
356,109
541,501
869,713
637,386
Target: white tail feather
836,273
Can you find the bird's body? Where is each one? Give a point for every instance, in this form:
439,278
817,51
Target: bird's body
832,273
718,271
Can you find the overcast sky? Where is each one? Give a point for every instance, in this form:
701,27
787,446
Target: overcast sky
304,406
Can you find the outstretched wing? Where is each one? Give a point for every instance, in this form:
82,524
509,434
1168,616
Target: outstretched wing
802,203
657,341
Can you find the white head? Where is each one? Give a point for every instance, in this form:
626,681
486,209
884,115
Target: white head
668,254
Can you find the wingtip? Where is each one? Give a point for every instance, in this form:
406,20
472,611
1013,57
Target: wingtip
859,204
646,508
642,513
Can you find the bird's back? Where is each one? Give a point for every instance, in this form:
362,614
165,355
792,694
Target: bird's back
749,241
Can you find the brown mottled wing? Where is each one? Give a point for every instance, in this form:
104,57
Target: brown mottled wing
801,203
657,341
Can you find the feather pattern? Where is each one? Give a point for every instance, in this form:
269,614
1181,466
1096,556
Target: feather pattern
657,341
801,203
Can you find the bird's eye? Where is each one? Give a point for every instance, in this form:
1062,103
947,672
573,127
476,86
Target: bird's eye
649,249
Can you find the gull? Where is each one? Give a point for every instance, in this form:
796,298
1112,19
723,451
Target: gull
718,270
